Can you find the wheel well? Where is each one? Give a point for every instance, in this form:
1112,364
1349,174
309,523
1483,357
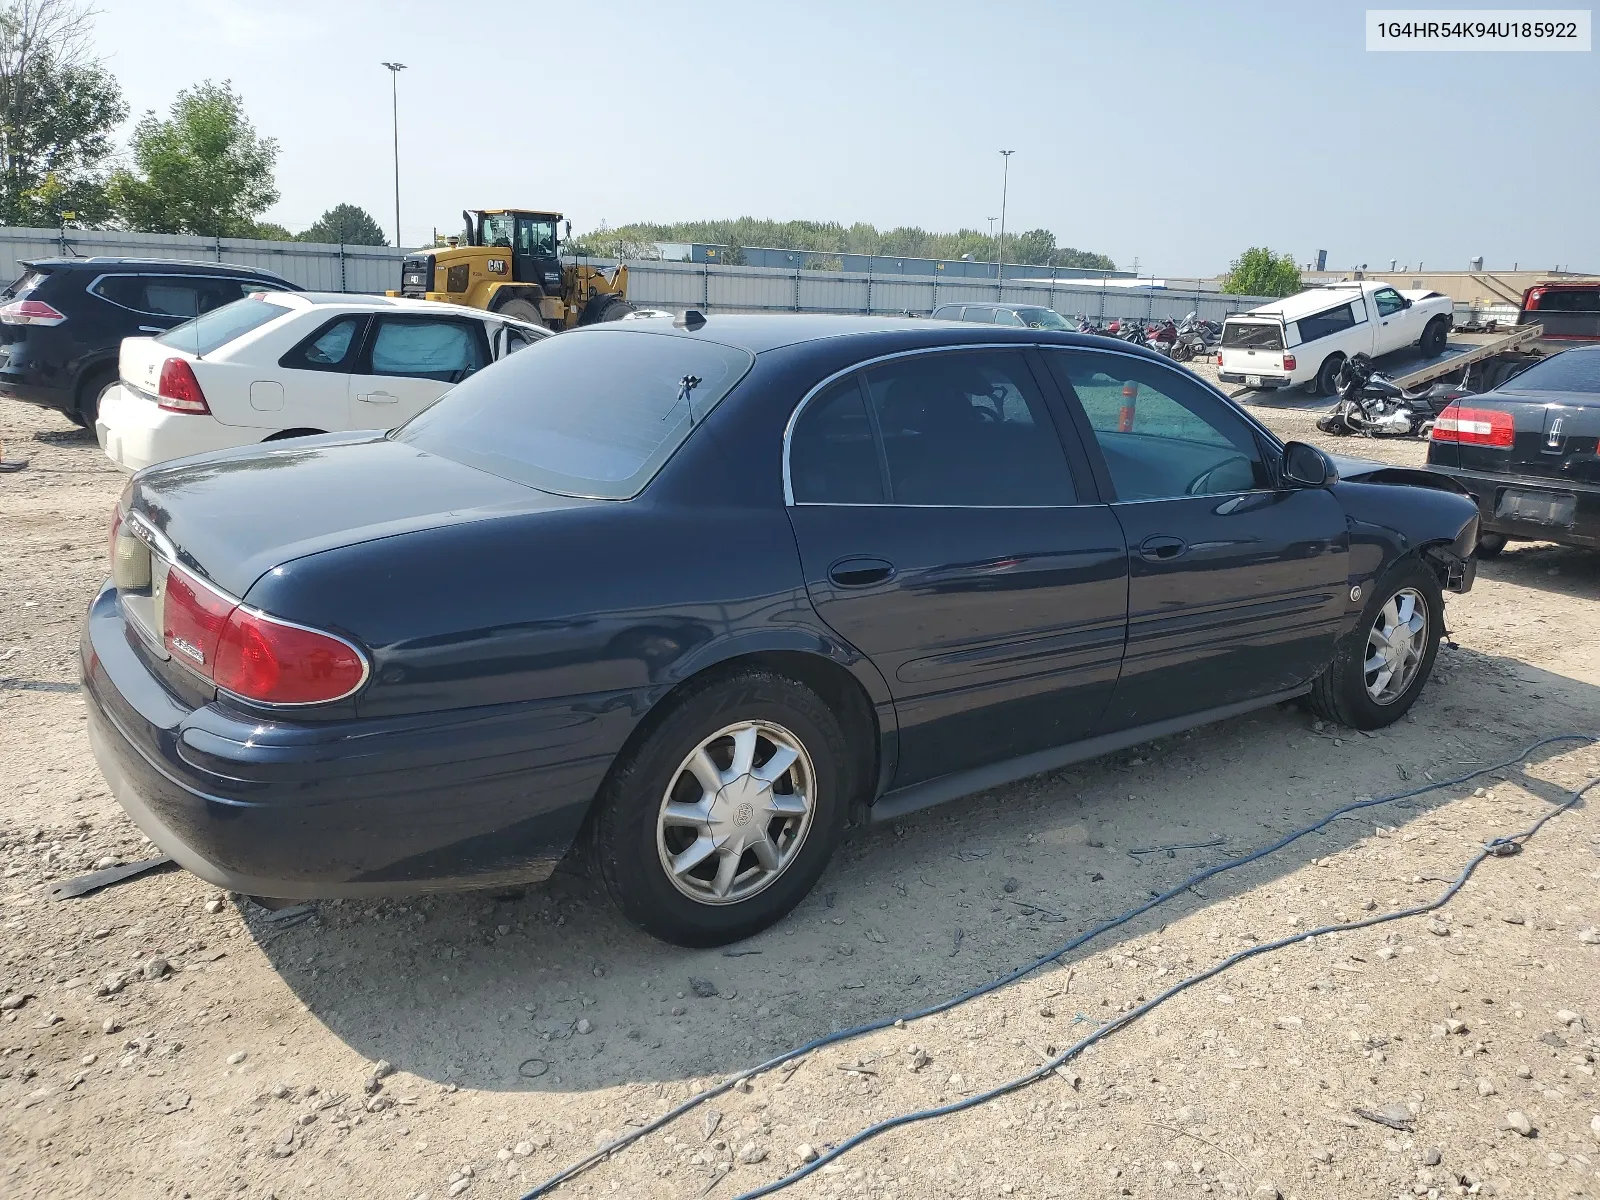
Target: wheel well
1338,355
92,380
291,433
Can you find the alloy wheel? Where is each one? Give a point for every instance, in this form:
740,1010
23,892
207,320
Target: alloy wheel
1396,644
736,812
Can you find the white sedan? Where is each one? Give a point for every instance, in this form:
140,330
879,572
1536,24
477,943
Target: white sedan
284,364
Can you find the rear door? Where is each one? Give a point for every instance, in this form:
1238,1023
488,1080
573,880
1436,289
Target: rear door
945,533
409,361
311,388
1236,587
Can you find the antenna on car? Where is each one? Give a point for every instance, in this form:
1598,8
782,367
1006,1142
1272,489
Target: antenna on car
686,387
690,318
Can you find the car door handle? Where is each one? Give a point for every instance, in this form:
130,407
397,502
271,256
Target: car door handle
152,329
860,572
380,398
1162,548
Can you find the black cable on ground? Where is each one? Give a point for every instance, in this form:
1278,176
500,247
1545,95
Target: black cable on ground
1494,847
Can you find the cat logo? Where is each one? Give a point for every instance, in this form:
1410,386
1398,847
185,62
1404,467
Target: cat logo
497,266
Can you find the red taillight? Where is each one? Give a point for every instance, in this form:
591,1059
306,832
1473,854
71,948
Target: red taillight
1531,300
30,312
1288,362
193,617
268,660
1474,426
252,655
179,391
1219,358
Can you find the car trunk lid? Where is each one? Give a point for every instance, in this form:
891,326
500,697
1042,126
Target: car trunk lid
230,517
1553,437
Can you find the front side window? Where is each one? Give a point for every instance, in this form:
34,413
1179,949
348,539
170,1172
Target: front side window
833,456
967,429
595,412
1162,435
497,229
1004,316
423,348
1388,301
1043,318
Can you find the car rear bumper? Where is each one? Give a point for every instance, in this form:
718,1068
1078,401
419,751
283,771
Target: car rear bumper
347,808
135,432
1267,381
1488,491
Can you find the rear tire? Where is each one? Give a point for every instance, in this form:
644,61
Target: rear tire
1434,337
1381,666
1491,544
645,818
1327,381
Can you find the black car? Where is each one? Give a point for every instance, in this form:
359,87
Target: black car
687,592
1032,316
62,320
1527,452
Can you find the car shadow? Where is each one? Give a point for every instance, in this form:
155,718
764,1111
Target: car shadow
1565,570
552,992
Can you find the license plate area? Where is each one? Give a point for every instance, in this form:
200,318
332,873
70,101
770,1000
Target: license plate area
1546,508
1252,381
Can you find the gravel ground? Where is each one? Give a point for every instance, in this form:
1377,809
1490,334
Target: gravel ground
159,1039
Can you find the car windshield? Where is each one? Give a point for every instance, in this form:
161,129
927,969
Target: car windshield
217,328
1572,371
592,413
1042,318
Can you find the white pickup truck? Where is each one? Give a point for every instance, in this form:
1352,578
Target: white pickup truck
1304,339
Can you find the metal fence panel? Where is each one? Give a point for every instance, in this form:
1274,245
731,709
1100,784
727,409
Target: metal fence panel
651,284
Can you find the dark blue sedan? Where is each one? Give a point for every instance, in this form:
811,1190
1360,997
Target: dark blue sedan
685,593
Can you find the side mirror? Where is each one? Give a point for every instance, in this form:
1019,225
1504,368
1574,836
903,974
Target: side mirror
1307,467
1404,302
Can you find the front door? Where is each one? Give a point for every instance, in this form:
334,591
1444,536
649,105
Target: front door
409,362
1237,588
1395,327
945,534
534,255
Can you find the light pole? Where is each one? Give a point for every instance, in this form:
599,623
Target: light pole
1000,246
394,98
991,221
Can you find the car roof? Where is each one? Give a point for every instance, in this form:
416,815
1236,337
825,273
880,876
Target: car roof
183,266
759,333
364,302
989,304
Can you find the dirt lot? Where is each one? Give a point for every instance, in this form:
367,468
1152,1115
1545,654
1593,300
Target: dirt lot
173,1042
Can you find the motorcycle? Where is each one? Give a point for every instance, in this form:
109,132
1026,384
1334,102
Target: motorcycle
1162,338
1373,405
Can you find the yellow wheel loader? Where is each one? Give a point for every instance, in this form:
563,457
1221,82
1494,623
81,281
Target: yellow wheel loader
509,262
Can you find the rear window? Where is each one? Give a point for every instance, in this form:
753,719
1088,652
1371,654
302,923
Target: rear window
220,326
24,284
1584,300
594,413
1240,335
1571,371
1324,323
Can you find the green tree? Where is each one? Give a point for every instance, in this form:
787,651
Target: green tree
269,231
58,109
348,223
1037,246
1259,272
202,170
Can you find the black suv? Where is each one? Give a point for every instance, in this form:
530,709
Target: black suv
63,320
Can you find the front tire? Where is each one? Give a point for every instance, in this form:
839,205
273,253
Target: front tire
725,814
522,310
1381,666
1434,337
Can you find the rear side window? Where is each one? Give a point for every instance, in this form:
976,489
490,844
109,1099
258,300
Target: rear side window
590,413
984,316
968,429
833,458
333,347
1572,371
1325,323
950,312
1252,335
220,326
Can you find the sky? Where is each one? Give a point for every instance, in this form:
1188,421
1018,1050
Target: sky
1174,134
